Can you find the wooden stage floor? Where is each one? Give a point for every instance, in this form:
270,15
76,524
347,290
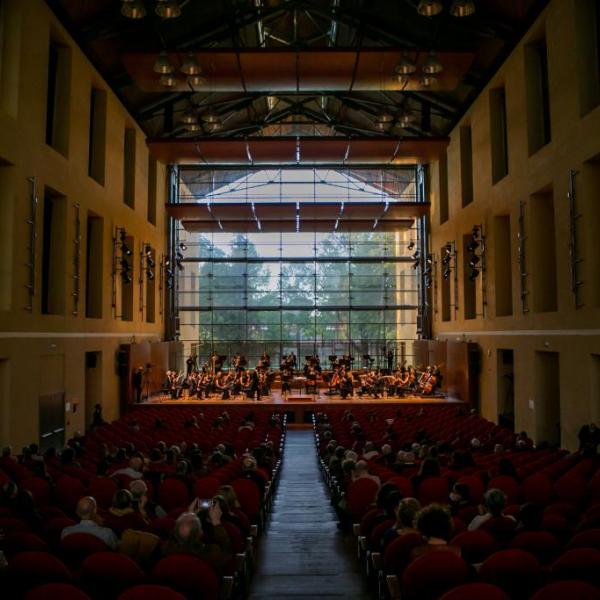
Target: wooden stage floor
289,401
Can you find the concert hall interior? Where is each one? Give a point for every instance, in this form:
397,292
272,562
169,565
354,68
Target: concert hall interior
340,258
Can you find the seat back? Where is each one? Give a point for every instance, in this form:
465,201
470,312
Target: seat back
433,489
172,494
248,495
561,590
360,496
543,545
398,552
78,546
476,545
188,575
475,591
151,592
31,569
56,591
431,575
517,572
579,563
110,573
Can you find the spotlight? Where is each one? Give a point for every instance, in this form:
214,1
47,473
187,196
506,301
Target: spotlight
148,250
474,260
133,9
126,277
125,265
163,64
406,66
150,275
167,9
182,246
446,273
432,65
472,246
150,263
429,8
196,80
168,81
125,250
411,245
427,81
462,8
211,117
189,118
190,65
474,274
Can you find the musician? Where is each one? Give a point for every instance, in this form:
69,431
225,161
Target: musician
216,362
222,385
293,361
265,361
191,364
346,384
390,360
254,388
286,377
138,382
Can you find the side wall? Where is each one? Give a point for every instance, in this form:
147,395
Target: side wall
539,179
32,343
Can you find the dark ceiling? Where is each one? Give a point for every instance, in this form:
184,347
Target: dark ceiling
297,25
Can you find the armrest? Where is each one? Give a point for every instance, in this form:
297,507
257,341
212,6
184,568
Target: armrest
253,530
356,529
226,590
393,587
377,560
240,562
362,542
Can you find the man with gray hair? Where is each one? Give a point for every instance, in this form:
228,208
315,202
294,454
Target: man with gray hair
134,470
188,536
86,511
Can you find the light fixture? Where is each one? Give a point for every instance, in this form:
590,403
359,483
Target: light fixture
133,9
211,117
189,118
405,119
406,66
168,80
167,9
196,80
462,8
429,8
428,80
217,126
163,64
411,245
182,246
190,65
193,127
432,64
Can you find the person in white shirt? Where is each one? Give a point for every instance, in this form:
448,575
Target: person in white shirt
495,500
86,511
134,470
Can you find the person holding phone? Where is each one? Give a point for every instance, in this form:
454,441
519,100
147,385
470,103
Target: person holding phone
188,535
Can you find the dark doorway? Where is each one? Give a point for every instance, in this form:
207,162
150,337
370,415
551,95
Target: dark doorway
93,384
506,388
52,420
547,397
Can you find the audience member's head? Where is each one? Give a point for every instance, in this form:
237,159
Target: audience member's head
495,501
406,511
228,493
86,508
434,521
188,528
531,516
122,499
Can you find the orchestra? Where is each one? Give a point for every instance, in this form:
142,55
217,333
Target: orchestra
340,380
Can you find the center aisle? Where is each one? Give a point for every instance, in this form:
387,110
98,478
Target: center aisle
302,554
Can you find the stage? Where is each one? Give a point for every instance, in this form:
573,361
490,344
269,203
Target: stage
300,406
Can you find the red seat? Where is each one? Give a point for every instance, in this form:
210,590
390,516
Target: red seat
433,574
403,484
568,590
14,543
53,528
110,573
360,495
68,492
579,563
13,525
102,489
398,552
517,572
40,490
189,575
30,569
475,591
173,493
433,489
537,488
163,527
78,546
150,592
543,545
475,546
502,528
248,495
206,487
475,485
378,532
56,591
586,539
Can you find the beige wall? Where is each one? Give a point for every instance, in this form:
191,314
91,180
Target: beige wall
573,333
27,338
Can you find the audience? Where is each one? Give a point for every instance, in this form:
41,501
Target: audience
495,501
434,523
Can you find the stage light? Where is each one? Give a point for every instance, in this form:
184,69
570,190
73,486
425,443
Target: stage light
167,9
406,66
474,274
148,251
197,80
150,263
189,118
411,245
163,65
168,81
472,246
474,260
150,275
429,8
446,273
133,9
190,65
432,65
462,8
182,246
126,277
